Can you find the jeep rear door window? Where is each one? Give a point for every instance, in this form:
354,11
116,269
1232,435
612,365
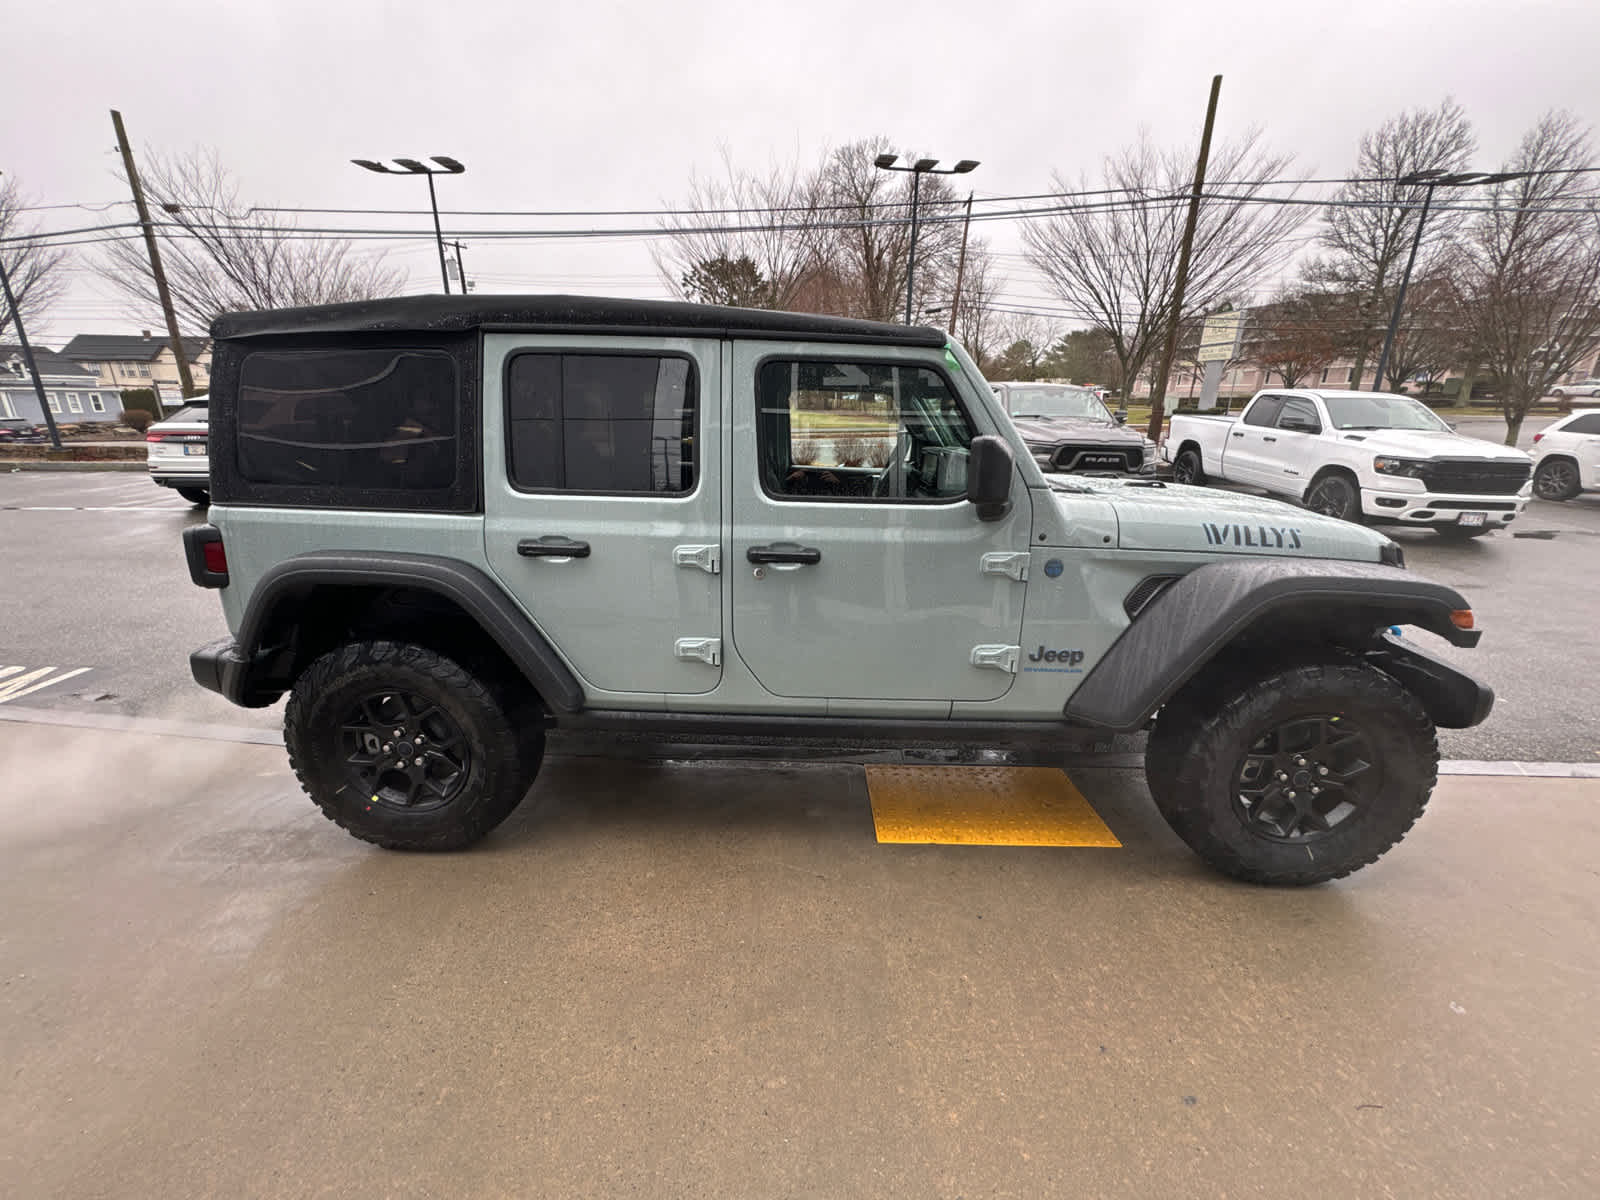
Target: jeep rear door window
608,423
361,420
860,431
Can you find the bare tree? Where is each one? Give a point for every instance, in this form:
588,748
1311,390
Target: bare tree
35,272
1291,337
1531,268
220,258
1430,336
1025,340
769,220
1116,259
977,323
1372,221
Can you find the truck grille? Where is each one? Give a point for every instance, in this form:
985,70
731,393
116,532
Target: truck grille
1468,477
1097,458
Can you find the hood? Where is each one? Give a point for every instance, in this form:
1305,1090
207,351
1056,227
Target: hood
1420,443
1076,429
1152,515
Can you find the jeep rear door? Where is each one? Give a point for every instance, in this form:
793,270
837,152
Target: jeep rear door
859,572
603,504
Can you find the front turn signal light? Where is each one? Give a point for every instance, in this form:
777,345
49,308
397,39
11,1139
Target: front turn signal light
1461,618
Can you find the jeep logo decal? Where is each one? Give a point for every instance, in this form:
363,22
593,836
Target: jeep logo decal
1069,658
1265,537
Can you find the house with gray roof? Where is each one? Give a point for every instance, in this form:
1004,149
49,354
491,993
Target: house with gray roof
125,360
75,395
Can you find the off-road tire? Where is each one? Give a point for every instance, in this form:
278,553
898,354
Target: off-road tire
194,495
502,739
1335,494
1547,486
1188,467
1195,753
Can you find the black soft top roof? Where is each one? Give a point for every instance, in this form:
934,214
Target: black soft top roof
454,314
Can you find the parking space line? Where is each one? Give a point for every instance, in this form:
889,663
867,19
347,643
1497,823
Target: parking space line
32,681
982,806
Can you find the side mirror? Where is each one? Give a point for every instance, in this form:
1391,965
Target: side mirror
989,469
1121,416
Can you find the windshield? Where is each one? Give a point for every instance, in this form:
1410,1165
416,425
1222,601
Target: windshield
1056,401
1381,412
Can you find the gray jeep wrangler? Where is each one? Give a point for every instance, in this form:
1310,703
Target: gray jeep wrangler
444,525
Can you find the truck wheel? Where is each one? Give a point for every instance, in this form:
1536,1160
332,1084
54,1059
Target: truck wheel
1298,776
403,747
194,495
1335,495
1557,479
1187,468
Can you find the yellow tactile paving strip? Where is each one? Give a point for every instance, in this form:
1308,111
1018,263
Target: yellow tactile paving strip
982,806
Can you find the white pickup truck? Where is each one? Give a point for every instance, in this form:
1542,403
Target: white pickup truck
1362,456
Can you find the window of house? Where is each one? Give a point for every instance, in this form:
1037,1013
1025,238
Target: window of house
74,403
348,419
860,431
1325,371
7,409
55,401
97,401
1349,375
144,370
617,423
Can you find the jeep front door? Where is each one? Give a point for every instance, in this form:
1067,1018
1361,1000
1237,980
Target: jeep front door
859,571
603,505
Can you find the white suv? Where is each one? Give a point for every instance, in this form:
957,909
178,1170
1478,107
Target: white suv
1584,387
177,451
1566,456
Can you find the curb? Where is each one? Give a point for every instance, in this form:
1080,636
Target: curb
41,464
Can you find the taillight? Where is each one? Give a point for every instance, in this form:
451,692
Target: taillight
216,558
208,561
1536,438
155,437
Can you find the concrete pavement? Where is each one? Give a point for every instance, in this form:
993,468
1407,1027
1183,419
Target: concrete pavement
673,980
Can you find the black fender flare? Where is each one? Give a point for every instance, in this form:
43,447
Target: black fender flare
474,591
1196,618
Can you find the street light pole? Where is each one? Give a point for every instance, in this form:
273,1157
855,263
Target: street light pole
411,166
1433,179
923,166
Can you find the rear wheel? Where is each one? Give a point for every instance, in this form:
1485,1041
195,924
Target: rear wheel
1187,468
1557,479
1335,495
404,747
1296,775
194,495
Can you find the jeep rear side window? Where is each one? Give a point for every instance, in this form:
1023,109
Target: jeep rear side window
349,419
860,431
613,423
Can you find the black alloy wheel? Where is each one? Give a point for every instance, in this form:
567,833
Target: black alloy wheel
1304,778
1557,479
404,751
1335,496
1187,468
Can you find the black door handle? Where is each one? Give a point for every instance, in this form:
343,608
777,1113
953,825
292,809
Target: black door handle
782,552
1236,433
554,546
1269,439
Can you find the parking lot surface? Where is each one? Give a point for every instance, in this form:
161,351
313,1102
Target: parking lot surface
676,980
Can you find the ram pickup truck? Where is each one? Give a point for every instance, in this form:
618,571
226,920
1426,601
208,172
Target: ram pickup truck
1070,429
1361,456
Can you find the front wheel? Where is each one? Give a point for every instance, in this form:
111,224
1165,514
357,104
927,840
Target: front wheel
404,747
1557,479
1335,496
1296,775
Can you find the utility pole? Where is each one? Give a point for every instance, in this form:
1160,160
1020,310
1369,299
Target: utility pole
27,356
461,268
1158,393
185,381
961,265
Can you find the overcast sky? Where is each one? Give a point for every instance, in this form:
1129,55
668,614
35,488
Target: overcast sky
612,105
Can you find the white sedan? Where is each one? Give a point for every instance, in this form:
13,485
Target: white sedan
177,451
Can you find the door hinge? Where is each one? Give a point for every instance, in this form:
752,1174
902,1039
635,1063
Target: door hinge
1000,658
706,650
707,558
1011,565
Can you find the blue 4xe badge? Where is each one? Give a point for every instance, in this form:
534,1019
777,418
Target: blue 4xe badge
1264,537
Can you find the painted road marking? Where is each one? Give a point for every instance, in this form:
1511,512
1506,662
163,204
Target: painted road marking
16,682
982,806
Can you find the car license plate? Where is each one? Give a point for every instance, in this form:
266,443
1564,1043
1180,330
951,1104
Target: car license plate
191,448
1472,518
